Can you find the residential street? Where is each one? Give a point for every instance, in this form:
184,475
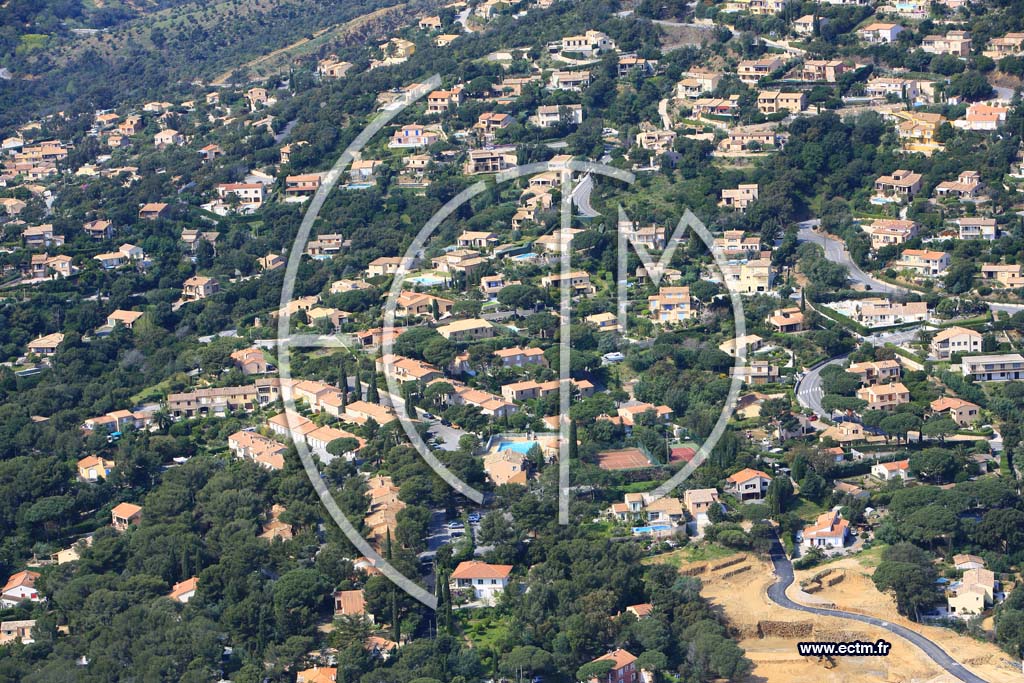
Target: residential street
777,594
835,251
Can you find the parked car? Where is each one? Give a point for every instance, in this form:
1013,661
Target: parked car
456,525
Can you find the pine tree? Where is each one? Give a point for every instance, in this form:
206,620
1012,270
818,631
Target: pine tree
396,629
343,381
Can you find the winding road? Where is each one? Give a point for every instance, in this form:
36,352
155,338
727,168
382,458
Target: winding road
777,594
581,196
836,251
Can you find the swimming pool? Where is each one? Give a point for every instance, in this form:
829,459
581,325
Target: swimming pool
640,530
525,257
517,446
428,280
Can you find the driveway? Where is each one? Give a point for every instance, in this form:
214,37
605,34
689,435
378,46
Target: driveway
836,251
777,594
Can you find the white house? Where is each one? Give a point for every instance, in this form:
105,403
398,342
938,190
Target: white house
21,586
829,532
487,581
887,471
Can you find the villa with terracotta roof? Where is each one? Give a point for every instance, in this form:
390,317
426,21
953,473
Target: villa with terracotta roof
125,515
351,603
623,668
183,591
887,471
485,581
964,413
20,586
955,340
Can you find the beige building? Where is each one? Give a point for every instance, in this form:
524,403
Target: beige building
955,340
884,396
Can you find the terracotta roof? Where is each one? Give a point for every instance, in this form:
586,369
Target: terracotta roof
747,474
186,586
474,569
351,602
22,578
619,658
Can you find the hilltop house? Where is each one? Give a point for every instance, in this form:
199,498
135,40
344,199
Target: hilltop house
748,485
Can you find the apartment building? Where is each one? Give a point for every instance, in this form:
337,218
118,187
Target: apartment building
775,101
993,368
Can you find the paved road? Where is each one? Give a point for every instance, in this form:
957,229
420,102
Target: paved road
808,389
581,197
835,251
777,594
666,120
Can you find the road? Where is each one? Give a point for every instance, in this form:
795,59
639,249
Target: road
808,389
836,251
777,594
581,197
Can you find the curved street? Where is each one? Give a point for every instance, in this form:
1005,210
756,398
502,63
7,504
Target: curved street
836,251
777,594
581,197
808,389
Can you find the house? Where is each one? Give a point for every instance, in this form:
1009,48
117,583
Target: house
467,330
739,198
1009,45
604,322
955,340
967,185
973,228
506,467
885,232
924,262
892,86
983,117
271,262
443,101
748,485
578,282
879,33
98,229
818,70
491,160
152,211
589,44
478,239
750,71
918,131
430,23
993,368
125,515
877,312
774,101
956,43
20,630
623,669
653,140
829,532
963,562
302,185
518,357
20,586
249,196
554,115
749,342
412,136
199,287
41,236
184,591
973,593
700,501
251,361
265,452
127,319
671,305
844,488
901,184
787,320
93,468
46,345
887,471
318,674
716,108
741,141
884,396
964,413
875,372
330,67
1006,275
573,81
485,582
696,83
168,137
351,603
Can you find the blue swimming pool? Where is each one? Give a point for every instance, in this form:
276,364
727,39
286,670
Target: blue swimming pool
525,257
517,446
428,280
640,530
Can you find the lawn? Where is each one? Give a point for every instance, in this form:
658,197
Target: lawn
484,629
807,509
158,391
691,553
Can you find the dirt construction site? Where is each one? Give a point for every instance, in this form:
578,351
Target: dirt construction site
737,585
